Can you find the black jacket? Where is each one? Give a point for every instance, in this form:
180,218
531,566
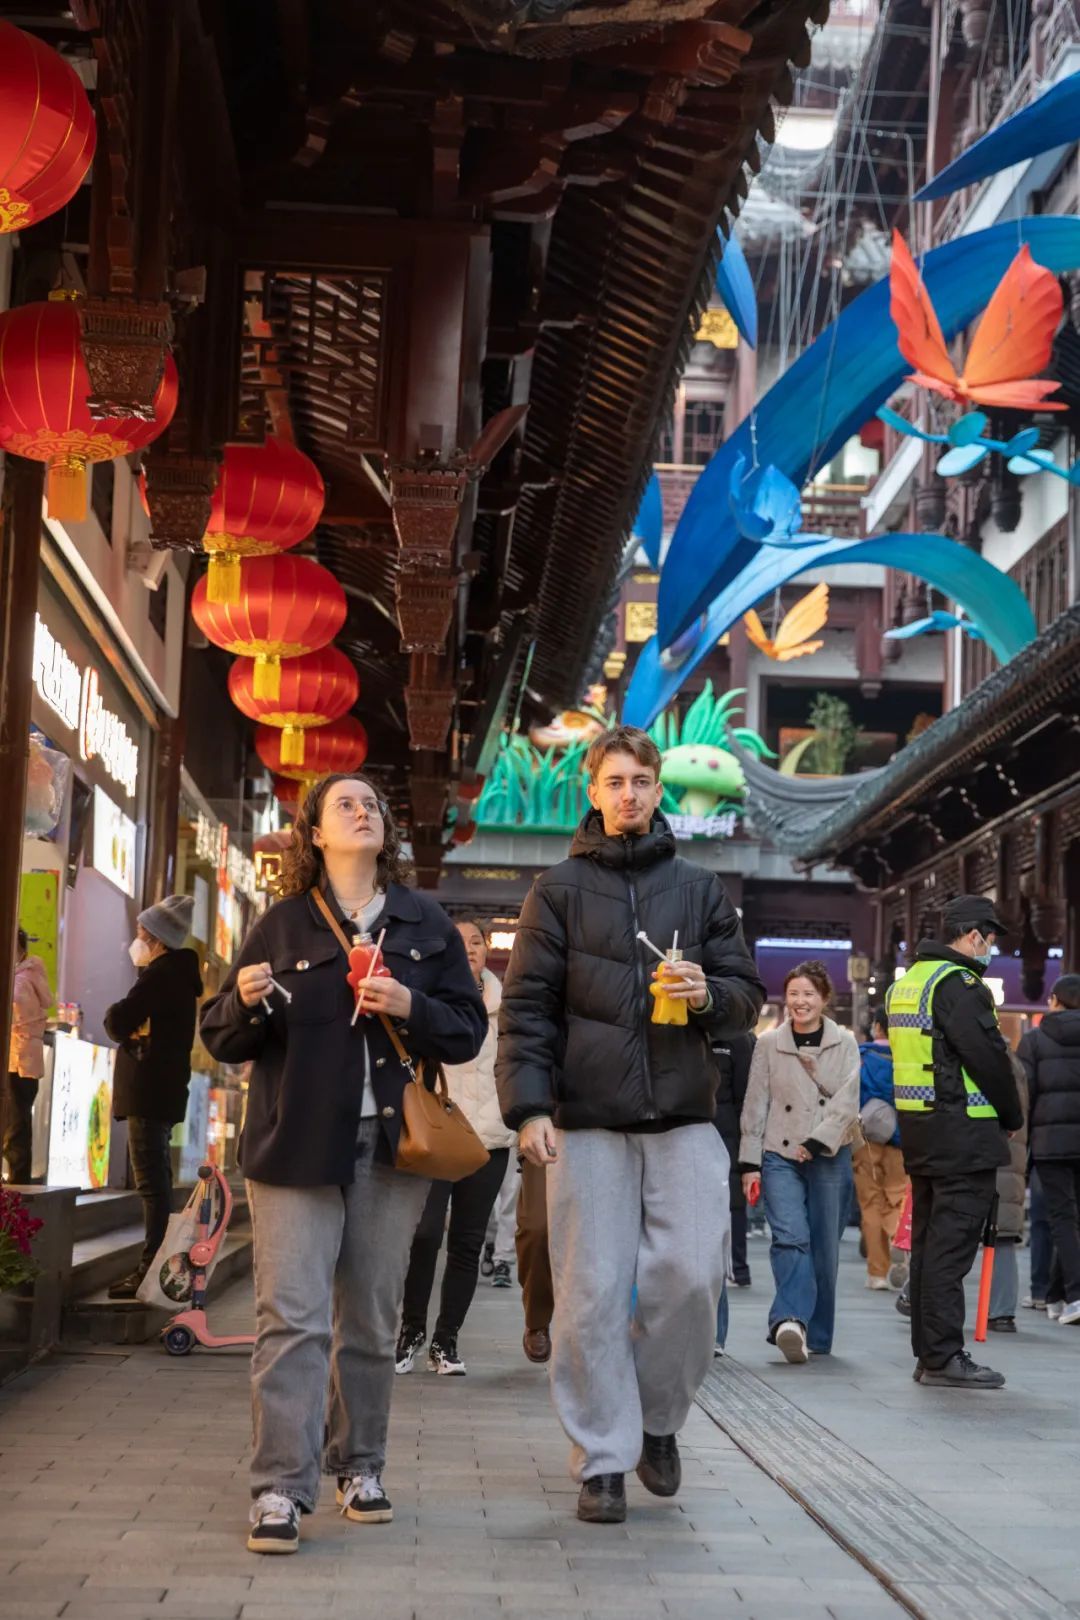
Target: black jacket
945,1142
307,1079
155,1027
575,1037
1051,1059
733,1058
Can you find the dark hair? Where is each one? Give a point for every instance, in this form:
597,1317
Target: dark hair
879,1017
302,863
818,974
622,740
472,922
24,942
1067,990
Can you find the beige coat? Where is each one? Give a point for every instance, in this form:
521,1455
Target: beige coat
784,1108
31,999
472,1085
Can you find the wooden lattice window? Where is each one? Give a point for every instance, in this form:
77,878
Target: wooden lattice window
703,431
1043,575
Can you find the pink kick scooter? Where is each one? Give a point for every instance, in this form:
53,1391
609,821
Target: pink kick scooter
189,1328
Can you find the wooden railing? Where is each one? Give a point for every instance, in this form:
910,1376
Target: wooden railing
826,508
1043,575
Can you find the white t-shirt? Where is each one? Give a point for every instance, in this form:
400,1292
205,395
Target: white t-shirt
364,932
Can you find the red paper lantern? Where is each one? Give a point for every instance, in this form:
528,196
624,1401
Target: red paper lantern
44,386
471,791
47,130
288,606
340,746
464,832
315,689
269,497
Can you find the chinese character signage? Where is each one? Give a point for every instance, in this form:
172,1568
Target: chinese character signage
74,695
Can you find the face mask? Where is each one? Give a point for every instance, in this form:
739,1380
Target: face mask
984,957
139,951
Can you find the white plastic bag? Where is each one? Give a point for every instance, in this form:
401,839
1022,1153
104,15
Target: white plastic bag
170,1282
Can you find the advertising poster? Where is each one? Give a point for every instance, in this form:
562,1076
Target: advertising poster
39,914
114,843
81,1113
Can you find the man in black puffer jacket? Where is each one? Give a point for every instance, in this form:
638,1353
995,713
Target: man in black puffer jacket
620,1110
1051,1059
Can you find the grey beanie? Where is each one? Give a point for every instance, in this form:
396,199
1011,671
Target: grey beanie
170,920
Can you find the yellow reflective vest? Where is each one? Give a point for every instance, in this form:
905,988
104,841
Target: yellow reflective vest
909,1003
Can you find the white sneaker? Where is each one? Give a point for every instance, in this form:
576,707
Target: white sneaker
361,1497
878,1284
791,1342
1054,1308
718,1351
1070,1314
443,1357
275,1524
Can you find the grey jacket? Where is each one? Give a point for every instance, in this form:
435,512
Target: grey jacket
1012,1179
785,1108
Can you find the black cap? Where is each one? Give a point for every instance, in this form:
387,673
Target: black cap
971,911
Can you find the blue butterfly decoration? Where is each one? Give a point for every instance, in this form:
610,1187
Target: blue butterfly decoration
967,447
767,507
937,621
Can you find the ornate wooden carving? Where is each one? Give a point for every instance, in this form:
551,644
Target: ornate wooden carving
178,492
429,795
124,343
426,504
429,702
425,607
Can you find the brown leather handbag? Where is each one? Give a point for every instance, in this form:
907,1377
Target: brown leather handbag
436,1139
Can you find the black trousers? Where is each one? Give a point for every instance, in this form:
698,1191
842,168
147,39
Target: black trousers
948,1217
151,1164
471,1202
16,1126
1060,1180
740,1266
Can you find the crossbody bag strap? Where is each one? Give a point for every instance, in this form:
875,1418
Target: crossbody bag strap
395,1039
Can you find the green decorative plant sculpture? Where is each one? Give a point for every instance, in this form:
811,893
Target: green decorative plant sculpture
834,734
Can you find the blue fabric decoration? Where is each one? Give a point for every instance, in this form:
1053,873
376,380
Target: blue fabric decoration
649,523
828,394
1051,121
969,447
933,624
735,285
989,597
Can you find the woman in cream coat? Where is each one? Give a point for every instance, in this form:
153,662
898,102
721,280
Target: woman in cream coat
798,1121
470,1201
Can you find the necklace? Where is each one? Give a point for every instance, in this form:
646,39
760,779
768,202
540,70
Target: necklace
356,910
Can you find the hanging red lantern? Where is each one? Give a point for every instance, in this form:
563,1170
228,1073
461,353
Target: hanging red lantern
287,606
44,386
47,130
340,746
287,792
471,791
316,688
269,497
464,832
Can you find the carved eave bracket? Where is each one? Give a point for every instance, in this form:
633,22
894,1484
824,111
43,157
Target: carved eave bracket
425,606
178,492
426,502
124,343
429,702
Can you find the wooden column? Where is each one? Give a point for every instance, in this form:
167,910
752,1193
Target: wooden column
163,809
20,548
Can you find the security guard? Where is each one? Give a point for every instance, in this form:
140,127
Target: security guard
956,1099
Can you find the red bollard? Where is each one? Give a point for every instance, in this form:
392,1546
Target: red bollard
986,1276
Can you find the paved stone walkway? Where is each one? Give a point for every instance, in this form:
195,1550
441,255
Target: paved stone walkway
124,1496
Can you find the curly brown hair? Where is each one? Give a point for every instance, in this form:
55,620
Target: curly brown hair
818,974
302,862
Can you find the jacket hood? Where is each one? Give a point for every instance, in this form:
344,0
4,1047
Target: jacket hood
181,966
633,851
491,990
1062,1027
933,950
32,967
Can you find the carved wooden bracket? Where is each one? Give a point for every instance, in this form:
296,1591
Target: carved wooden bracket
429,795
429,702
426,503
124,343
178,492
425,606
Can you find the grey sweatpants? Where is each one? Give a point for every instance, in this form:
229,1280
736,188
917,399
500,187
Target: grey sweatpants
330,1267
626,1209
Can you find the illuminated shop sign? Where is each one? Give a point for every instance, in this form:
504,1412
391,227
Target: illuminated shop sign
230,863
74,695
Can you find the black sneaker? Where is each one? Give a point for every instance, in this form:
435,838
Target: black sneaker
961,1373
660,1470
602,1499
410,1340
127,1287
500,1277
742,1279
487,1260
903,1301
361,1498
443,1356
917,1374
1002,1324
275,1524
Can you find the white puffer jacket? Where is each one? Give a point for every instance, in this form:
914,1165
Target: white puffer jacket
472,1085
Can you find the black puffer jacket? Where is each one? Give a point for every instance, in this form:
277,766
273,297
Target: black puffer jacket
155,1026
1051,1059
575,1036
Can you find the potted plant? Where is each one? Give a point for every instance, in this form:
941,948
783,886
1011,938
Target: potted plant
834,731
17,1266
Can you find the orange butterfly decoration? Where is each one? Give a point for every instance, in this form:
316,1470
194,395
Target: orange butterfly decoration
1012,341
805,619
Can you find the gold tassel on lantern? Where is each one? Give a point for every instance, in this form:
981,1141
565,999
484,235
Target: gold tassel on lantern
266,678
292,745
66,489
223,577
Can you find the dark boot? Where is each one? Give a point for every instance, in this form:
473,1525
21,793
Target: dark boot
127,1287
537,1344
603,1499
961,1373
660,1470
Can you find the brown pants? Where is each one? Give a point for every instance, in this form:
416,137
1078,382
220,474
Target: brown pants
881,1186
531,1241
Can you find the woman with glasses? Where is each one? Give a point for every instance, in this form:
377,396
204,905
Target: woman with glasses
333,1220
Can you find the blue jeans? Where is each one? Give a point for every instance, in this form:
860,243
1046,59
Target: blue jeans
1042,1243
806,1206
722,1313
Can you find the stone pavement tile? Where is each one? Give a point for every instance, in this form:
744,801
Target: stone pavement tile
83,1609
104,1588
30,1609
25,1586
